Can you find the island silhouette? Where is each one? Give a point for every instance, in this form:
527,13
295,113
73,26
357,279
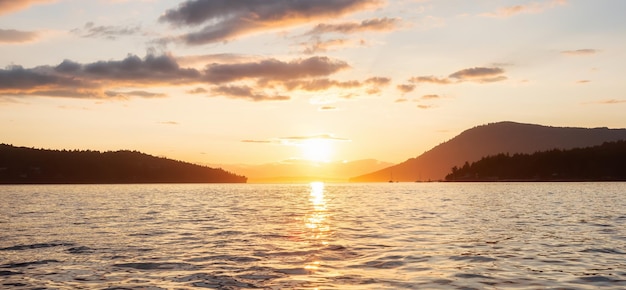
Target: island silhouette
22,165
606,162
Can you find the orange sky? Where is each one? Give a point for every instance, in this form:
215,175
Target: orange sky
232,82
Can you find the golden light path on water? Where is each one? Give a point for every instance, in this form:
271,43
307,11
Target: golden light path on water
316,220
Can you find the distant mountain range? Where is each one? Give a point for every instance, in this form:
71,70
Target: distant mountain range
21,165
306,171
491,139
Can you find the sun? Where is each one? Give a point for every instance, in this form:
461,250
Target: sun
317,149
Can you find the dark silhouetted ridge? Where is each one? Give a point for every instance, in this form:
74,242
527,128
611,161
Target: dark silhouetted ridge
606,162
27,165
491,139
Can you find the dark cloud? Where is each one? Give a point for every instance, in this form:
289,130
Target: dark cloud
103,79
274,69
17,36
72,79
577,52
90,30
375,24
227,19
246,92
7,6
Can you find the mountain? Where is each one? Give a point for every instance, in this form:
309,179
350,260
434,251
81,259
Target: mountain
491,139
306,171
27,165
606,162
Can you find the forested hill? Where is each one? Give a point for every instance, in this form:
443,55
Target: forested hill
606,162
26,165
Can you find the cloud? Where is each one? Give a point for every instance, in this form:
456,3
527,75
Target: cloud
141,94
531,8
317,45
293,140
430,97
320,84
580,52
123,79
226,19
274,69
480,74
169,123
609,102
90,30
328,108
7,6
257,141
92,80
405,88
375,24
197,90
297,140
378,81
430,79
246,92
17,36
401,100
583,81
424,107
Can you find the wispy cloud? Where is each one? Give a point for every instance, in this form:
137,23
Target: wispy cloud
141,94
169,123
328,108
7,6
297,140
583,81
430,97
17,36
480,74
226,20
474,74
531,8
375,24
430,79
580,52
90,30
609,102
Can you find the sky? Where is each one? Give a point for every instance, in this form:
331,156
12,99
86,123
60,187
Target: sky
262,81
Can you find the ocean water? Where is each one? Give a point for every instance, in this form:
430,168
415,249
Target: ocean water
314,236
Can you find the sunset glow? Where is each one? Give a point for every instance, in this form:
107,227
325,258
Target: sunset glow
219,83
318,150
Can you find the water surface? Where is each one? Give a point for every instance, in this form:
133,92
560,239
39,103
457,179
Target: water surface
314,236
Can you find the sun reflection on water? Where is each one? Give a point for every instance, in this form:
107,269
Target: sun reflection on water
316,221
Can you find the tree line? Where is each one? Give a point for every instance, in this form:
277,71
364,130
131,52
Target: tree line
606,162
28,165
